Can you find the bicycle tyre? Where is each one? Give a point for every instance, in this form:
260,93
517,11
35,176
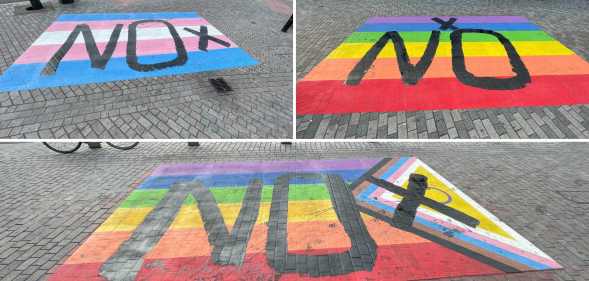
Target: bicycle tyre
63,151
122,147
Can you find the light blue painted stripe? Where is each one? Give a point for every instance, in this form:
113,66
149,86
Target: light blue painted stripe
383,27
372,187
126,16
465,238
28,76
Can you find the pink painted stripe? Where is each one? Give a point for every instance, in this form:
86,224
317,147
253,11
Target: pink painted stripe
401,170
279,7
377,193
477,236
110,24
42,54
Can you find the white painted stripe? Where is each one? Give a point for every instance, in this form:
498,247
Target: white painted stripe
103,35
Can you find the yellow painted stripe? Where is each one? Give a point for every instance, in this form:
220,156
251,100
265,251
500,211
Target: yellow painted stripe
471,49
188,217
457,202
124,219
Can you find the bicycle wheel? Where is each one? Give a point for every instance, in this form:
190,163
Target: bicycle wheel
63,147
123,145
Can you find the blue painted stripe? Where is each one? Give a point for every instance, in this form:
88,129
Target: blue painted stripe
126,16
240,179
372,187
383,27
465,238
28,76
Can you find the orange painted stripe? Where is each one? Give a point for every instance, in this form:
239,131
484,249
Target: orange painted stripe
441,67
181,243
320,236
302,236
317,235
98,247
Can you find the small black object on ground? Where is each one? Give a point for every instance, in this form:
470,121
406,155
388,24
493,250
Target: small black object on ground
287,25
220,85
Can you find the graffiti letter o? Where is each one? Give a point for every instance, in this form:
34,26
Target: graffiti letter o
132,59
521,78
360,256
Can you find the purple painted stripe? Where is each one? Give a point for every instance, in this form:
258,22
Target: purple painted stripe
266,166
464,19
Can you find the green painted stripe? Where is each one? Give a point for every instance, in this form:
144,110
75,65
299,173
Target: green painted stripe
372,37
142,198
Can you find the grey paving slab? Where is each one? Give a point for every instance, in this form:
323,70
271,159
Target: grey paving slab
179,106
50,203
322,26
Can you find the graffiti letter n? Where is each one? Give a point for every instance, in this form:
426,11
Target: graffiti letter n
97,60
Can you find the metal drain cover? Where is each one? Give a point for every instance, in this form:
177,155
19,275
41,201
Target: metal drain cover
220,85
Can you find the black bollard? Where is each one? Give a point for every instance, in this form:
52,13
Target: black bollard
66,1
287,25
194,144
35,5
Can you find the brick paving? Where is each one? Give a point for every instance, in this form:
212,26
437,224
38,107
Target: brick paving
322,26
51,203
180,106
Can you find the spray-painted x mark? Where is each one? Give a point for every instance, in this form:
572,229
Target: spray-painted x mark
414,196
204,38
444,25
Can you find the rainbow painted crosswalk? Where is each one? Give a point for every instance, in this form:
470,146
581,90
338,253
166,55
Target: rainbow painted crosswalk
356,78
319,223
92,48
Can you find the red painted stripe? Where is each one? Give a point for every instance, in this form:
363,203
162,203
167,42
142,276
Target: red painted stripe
76,272
398,262
328,97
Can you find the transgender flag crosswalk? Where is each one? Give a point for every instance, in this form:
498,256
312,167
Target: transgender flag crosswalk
93,48
409,63
296,220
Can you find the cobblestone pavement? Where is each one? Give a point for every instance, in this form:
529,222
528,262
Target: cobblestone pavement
50,203
322,26
180,106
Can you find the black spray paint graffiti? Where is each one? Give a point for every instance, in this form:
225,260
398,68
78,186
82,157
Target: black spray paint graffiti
411,74
204,37
405,213
230,248
519,81
413,197
127,261
99,61
132,59
444,25
360,256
